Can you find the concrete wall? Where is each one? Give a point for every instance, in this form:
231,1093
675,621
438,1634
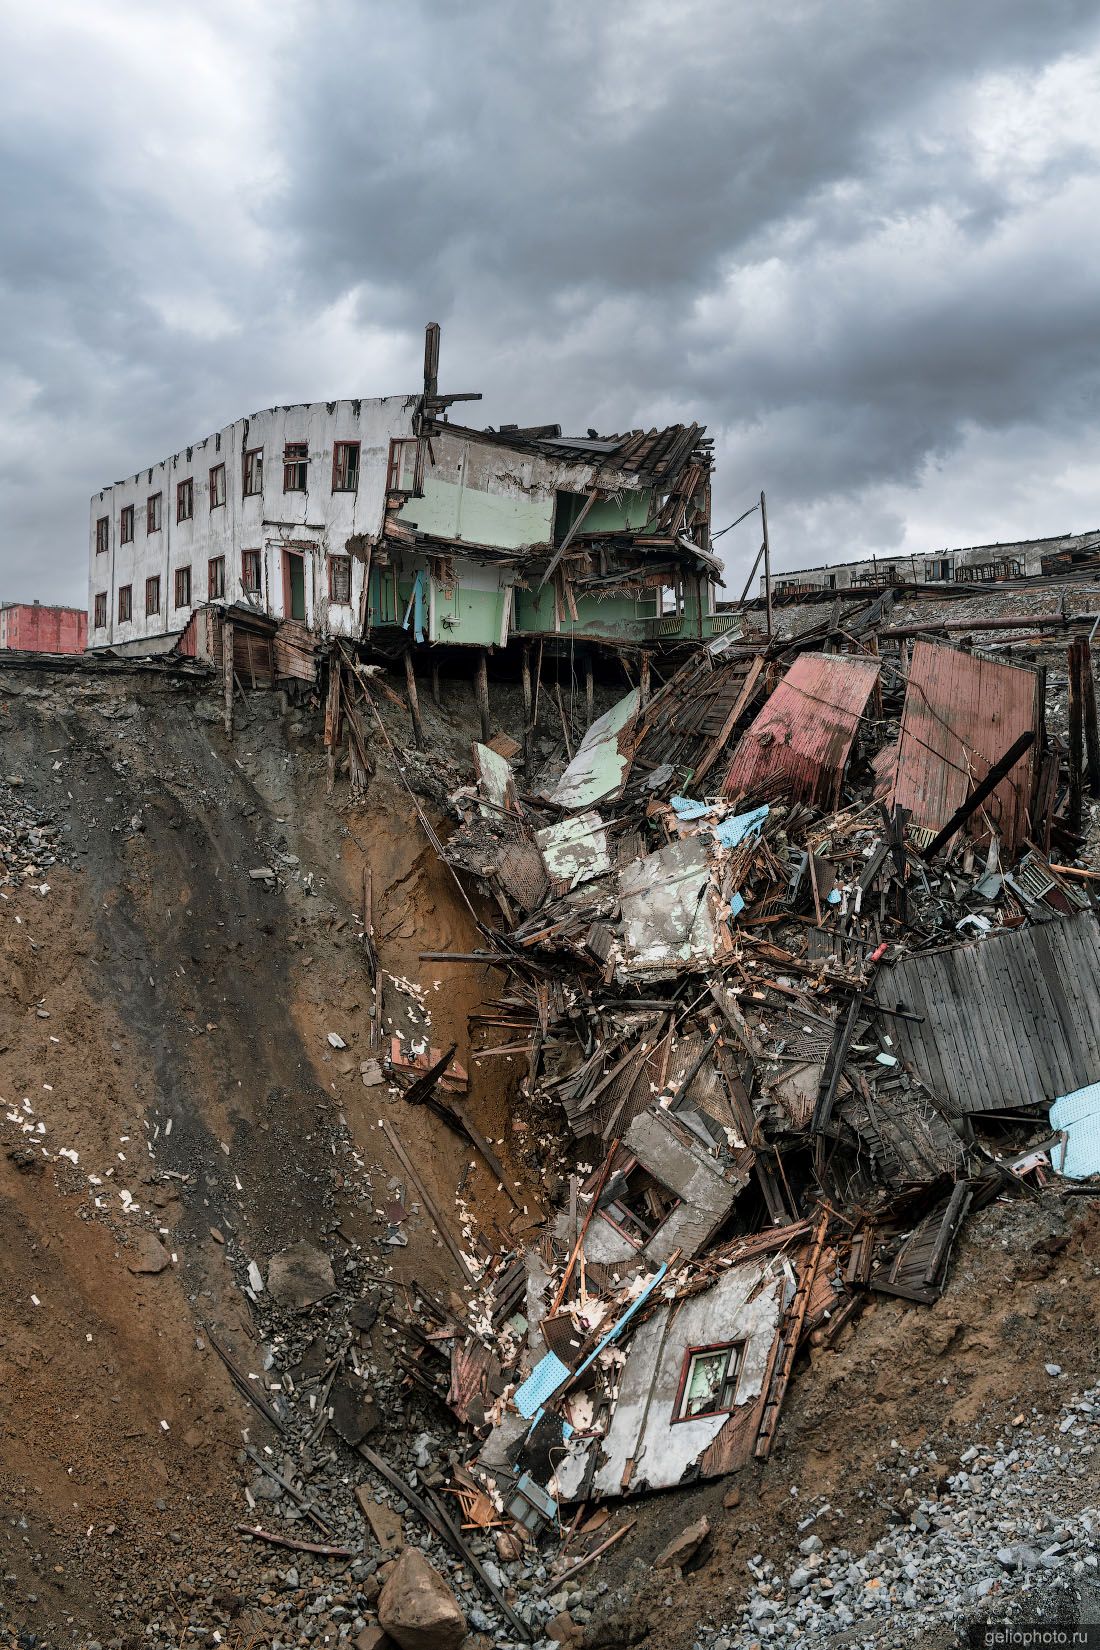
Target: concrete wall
34,628
936,566
314,523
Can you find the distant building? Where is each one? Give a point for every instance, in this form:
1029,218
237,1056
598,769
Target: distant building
31,627
383,521
977,564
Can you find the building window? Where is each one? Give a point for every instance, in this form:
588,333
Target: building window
183,587
217,486
125,603
708,1380
101,610
152,595
253,471
401,470
102,529
152,513
250,571
339,579
568,509
126,525
345,467
215,577
295,466
636,1203
185,499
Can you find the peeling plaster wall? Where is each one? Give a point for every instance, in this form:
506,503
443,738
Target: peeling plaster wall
315,522
642,1426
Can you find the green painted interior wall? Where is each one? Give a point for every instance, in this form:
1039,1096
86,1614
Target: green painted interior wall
466,615
449,510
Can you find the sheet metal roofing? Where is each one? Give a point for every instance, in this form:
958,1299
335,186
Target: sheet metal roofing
803,736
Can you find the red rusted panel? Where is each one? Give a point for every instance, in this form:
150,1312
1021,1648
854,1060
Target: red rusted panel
33,628
798,746
961,714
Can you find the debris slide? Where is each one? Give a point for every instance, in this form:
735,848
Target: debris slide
619,1170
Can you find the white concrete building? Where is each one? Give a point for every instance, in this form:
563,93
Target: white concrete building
261,511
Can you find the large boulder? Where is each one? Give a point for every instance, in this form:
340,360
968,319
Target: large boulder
417,1608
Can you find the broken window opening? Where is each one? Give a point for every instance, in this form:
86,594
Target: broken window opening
339,579
152,513
152,595
100,620
185,499
183,587
250,571
253,471
125,603
636,1203
568,507
295,467
125,525
708,1381
215,577
217,486
102,529
345,467
401,469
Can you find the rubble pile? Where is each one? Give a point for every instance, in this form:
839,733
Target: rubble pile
28,841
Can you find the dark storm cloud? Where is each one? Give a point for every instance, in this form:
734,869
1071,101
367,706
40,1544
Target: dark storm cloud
856,240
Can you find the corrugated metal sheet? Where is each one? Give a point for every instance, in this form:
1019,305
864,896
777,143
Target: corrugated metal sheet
1009,1021
798,746
962,712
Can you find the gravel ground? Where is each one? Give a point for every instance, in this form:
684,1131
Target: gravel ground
1014,1525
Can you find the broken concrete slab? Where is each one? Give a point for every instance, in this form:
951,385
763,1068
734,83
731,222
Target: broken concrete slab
355,1414
418,1609
300,1276
385,1525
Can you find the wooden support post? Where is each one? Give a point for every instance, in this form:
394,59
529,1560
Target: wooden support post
414,702
437,697
1088,709
767,560
589,691
528,723
1076,732
643,682
482,688
227,675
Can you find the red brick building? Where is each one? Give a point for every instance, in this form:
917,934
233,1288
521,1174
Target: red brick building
32,628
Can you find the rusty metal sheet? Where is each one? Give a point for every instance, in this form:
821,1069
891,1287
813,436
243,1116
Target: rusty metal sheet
961,714
798,746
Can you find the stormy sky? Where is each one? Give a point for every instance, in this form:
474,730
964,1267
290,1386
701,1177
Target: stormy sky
859,239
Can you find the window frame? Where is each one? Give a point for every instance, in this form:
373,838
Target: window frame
102,535
185,494
731,1348
99,610
342,449
182,574
217,485
126,590
126,524
395,464
213,579
336,556
299,465
152,583
257,588
154,513
252,465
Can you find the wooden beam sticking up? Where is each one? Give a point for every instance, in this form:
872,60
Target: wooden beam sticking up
414,702
481,683
767,554
1076,736
790,1334
437,697
227,675
1088,712
528,714
993,778
589,691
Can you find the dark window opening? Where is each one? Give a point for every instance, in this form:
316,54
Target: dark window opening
101,610
339,579
183,587
253,471
345,467
295,466
637,1203
401,469
152,595
215,580
102,530
567,509
250,571
217,486
125,603
294,585
708,1380
185,499
152,513
126,525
